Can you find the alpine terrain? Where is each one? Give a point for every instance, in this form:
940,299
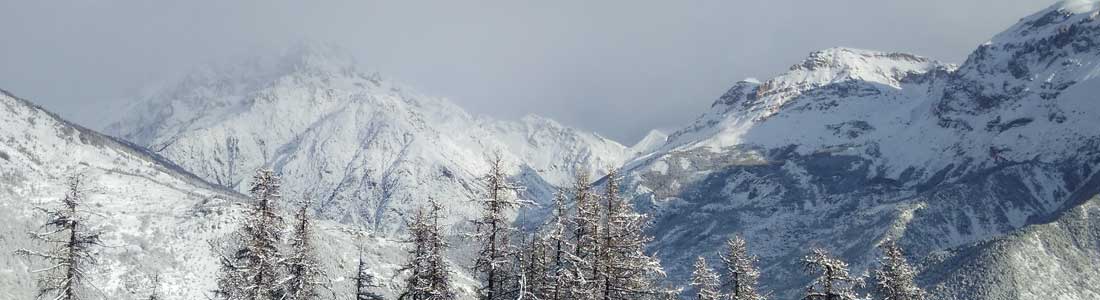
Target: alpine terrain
981,175
989,163
366,149
160,224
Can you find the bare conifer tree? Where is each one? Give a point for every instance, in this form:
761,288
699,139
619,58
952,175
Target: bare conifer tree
305,277
69,239
705,281
559,250
583,276
894,278
493,231
154,293
252,270
429,274
741,272
364,283
831,281
627,271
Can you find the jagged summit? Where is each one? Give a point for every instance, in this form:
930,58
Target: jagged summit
850,147
831,85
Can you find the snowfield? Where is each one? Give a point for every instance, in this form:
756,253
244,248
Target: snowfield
157,219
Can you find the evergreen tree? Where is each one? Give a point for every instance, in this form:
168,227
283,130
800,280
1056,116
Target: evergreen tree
627,271
305,276
583,277
70,239
429,277
493,231
705,281
831,281
894,278
740,271
364,283
252,270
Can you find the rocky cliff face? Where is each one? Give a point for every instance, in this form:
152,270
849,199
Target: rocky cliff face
851,147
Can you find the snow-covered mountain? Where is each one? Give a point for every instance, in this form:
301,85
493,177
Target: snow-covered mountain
1051,260
985,172
157,219
850,147
367,149
652,140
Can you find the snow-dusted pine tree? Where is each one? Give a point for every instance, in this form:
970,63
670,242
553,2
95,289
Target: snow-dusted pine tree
894,277
831,281
741,272
493,231
705,281
364,283
583,277
69,240
429,275
627,271
305,277
252,270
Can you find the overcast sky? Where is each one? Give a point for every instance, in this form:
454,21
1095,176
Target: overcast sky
618,68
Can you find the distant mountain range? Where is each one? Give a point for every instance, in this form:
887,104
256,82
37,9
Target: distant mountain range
985,172
366,149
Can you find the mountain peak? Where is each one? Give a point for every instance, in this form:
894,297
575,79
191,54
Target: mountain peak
652,140
318,57
845,64
847,58
1078,6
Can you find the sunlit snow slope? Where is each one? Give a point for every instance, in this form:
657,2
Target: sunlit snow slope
367,149
157,219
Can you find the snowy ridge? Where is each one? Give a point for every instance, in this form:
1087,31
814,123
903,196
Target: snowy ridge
652,141
157,219
852,146
367,149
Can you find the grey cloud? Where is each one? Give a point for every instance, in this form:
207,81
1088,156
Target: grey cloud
616,67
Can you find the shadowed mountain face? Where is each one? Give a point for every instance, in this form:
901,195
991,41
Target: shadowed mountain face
851,147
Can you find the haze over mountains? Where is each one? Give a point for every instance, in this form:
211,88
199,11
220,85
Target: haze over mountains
985,171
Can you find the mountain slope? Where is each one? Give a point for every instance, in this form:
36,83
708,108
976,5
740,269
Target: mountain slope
1059,259
366,149
157,219
853,146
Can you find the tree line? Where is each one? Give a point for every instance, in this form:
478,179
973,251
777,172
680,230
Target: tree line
592,247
